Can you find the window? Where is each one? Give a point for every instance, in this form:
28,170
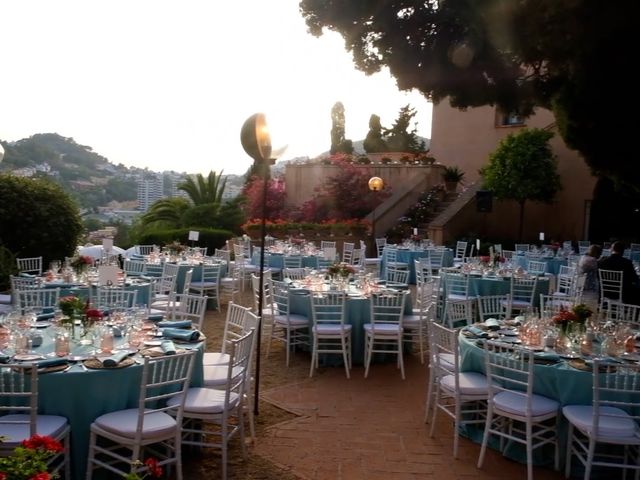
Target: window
511,119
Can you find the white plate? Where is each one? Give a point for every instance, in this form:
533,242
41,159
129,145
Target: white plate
41,324
507,332
631,357
153,343
77,358
130,351
26,357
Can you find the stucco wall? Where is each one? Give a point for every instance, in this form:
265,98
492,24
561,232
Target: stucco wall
303,179
466,138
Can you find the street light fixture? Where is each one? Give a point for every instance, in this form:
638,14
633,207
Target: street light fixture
256,141
376,184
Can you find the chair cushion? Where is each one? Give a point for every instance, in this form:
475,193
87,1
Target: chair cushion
205,401
294,320
124,423
329,329
515,403
50,425
383,328
203,285
216,376
455,296
470,383
215,358
619,427
6,299
412,321
520,303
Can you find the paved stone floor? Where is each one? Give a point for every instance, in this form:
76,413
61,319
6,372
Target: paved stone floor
372,429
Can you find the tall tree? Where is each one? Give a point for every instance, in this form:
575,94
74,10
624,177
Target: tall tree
373,142
571,57
523,169
401,137
339,144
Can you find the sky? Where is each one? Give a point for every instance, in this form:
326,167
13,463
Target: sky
168,84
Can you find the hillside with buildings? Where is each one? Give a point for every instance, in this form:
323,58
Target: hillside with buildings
103,190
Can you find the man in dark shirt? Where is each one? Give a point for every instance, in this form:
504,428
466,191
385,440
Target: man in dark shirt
616,261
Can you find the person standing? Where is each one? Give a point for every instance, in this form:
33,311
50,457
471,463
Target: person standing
588,265
630,281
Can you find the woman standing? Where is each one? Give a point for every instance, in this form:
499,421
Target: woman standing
588,265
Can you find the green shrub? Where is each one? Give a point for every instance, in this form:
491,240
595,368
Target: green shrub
209,237
37,218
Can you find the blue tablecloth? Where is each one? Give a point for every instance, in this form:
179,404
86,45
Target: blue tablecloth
553,263
276,260
82,396
409,256
558,381
358,313
485,286
142,288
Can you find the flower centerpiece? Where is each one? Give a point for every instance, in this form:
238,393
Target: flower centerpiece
175,248
29,459
71,306
80,263
341,270
566,318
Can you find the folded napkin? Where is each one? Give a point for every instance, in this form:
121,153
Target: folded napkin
51,362
492,324
156,317
168,348
478,332
27,275
36,339
115,359
180,334
45,316
547,355
174,324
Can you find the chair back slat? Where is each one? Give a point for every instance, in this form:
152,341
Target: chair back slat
162,379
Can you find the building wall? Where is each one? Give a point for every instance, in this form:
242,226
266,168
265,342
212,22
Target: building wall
150,190
302,179
466,138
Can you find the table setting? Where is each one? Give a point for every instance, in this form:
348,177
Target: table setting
84,378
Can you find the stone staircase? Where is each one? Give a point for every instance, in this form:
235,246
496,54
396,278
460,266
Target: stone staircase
441,207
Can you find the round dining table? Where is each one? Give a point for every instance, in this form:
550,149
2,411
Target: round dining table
567,381
358,312
81,394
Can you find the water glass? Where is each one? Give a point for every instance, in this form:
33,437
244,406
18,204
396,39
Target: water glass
62,344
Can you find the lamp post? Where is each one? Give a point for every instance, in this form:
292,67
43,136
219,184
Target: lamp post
375,185
256,141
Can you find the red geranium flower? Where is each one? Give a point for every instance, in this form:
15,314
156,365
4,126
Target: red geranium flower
94,313
44,442
152,465
41,476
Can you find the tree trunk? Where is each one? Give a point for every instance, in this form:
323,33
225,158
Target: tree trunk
520,229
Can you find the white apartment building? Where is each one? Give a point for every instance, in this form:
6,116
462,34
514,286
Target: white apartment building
150,190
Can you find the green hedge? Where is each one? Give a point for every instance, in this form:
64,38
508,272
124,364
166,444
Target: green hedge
209,237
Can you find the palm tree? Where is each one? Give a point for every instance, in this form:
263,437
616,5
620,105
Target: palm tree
167,212
202,191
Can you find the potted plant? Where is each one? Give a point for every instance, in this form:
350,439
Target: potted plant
451,176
